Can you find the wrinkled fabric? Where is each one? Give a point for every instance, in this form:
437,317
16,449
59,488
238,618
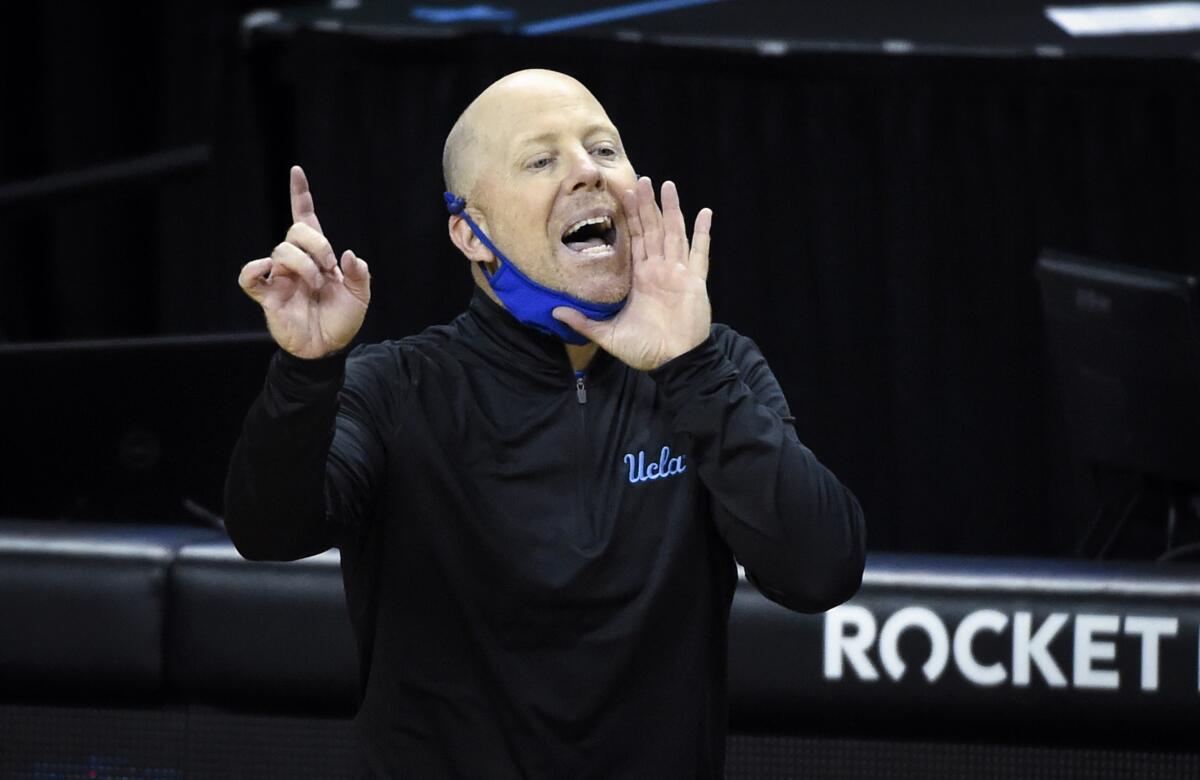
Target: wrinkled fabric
539,567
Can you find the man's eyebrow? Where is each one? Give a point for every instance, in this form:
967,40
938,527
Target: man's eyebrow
538,138
530,139
599,127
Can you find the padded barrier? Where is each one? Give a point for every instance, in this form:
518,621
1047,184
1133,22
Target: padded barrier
1108,650
275,634
83,605
980,648
1039,668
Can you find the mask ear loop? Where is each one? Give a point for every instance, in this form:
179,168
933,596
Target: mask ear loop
458,206
527,300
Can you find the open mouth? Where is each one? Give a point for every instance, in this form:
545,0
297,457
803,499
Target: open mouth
592,236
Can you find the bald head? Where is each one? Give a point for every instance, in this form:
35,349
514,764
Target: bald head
458,158
534,155
486,127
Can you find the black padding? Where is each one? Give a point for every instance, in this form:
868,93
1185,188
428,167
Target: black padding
781,679
262,633
82,605
85,609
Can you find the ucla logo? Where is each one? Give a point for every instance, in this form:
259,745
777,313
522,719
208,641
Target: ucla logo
667,466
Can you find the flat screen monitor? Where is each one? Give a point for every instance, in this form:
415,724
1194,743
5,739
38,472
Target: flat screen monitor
138,430
1125,352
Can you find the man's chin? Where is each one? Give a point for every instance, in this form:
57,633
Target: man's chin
601,288
606,296
607,281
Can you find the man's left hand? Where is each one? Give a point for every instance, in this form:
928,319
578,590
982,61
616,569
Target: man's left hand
667,312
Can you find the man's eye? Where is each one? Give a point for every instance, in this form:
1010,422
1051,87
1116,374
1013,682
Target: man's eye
541,162
606,151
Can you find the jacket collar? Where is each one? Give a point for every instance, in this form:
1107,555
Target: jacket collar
519,348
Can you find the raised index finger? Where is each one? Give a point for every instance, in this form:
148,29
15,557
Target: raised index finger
303,209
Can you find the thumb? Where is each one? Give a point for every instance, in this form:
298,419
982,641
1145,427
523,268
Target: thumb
587,328
356,274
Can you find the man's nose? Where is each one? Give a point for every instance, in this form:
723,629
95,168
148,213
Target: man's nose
584,174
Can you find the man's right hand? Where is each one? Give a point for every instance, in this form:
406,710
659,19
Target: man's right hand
313,307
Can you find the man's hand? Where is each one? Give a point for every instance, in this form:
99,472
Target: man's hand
667,312
313,307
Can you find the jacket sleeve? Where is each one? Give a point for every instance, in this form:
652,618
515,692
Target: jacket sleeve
305,470
797,531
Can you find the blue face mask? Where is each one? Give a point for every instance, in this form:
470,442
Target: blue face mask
525,299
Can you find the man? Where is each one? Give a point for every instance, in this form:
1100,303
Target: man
538,505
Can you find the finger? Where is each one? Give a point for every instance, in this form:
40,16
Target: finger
637,244
356,275
698,260
651,219
295,261
589,329
314,243
674,229
253,276
354,267
303,209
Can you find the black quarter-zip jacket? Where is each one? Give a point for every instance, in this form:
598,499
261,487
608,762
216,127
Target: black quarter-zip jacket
539,566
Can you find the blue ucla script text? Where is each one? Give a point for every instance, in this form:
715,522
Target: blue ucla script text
667,466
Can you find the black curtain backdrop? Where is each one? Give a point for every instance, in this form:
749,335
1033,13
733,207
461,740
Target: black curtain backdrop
877,219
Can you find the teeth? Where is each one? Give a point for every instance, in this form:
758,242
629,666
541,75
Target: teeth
603,249
605,221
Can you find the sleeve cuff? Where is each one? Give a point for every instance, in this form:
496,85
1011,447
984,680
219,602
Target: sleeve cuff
300,378
699,370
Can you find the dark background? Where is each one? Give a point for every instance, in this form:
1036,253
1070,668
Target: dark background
877,220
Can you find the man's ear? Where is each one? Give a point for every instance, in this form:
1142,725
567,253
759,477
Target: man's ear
467,242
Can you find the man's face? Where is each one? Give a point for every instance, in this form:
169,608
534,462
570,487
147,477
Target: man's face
551,169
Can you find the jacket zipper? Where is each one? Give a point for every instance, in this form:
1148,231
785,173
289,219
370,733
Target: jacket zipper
580,451
580,388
